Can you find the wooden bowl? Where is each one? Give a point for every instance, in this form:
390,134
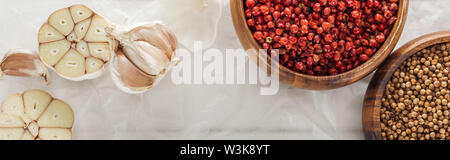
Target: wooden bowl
316,82
375,91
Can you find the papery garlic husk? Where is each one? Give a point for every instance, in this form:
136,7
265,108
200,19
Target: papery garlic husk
33,115
23,63
146,54
73,42
190,20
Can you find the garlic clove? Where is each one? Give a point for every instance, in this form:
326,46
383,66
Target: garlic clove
72,37
71,65
48,34
23,63
55,134
27,136
35,102
96,32
128,77
58,115
157,35
62,21
80,12
83,48
33,129
81,28
44,118
11,133
13,105
153,51
146,57
10,121
93,64
52,52
100,50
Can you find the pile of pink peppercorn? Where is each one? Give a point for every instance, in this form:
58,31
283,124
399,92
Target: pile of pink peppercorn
321,37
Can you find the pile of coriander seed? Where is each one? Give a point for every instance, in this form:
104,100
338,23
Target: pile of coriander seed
415,105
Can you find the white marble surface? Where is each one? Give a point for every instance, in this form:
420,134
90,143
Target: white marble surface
172,111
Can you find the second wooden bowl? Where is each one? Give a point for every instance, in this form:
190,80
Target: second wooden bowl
375,91
304,81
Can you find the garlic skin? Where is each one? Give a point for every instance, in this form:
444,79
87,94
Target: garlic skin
23,63
146,54
202,17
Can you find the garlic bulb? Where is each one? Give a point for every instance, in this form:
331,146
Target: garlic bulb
35,114
146,53
23,63
77,44
190,20
73,42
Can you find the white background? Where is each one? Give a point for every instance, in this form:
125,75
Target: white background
172,111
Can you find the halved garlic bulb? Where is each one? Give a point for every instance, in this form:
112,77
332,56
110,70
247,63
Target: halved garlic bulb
23,63
74,43
35,114
145,55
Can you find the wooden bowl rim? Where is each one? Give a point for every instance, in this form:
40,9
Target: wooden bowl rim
372,100
361,71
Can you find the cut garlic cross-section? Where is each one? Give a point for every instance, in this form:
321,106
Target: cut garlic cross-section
35,115
70,37
72,64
